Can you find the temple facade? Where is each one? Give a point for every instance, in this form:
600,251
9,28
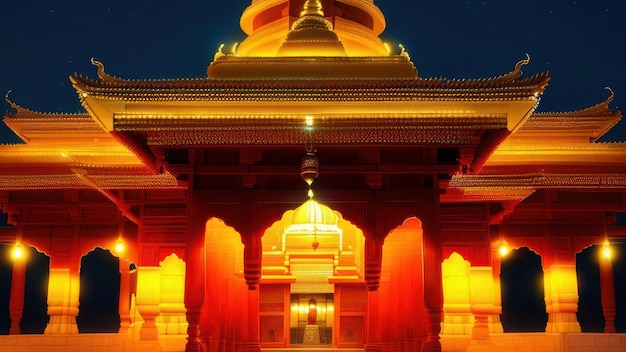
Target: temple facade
314,191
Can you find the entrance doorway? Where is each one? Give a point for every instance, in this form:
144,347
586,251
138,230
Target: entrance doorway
311,319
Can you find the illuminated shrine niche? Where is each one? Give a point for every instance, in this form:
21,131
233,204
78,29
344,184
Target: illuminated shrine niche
171,319
309,255
457,319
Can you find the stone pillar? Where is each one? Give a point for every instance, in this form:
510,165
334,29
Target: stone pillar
481,305
495,324
561,295
195,273
16,304
124,303
63,293
252,273
607,292
148,299
456,304
373,264
433,289
372,343
253,342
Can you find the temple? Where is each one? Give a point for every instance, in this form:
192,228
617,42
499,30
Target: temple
312,192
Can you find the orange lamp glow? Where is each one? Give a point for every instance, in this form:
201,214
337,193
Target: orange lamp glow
119,246
18,252
504,249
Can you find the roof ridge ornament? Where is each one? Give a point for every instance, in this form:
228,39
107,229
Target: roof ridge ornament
600,108
103,75
14,105
517,71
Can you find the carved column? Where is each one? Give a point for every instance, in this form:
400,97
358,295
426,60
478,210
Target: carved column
63,293
561,295
148,299
124,302
16,304
194,284
373,263
481,306
372,344
433,290
495,324
607,292
252,274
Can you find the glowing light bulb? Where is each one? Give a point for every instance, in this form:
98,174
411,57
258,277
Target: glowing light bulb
503,250
18,252
119,246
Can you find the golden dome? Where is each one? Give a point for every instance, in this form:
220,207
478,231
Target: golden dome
312,35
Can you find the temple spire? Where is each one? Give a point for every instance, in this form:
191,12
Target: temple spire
312,7
312,35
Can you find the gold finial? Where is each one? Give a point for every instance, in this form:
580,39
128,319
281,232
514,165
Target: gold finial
219,53
312,7
524,62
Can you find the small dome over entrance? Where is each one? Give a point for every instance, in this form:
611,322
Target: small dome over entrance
312,217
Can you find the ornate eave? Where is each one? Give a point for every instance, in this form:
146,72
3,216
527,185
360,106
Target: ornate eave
50,181
72,151
587,181
528,152
153,104
435,132
580,125
288,90
549,140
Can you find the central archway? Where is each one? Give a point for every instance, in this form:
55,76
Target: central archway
320,261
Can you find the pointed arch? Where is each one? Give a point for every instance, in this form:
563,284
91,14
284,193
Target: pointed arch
98,309
522,287
401,285
225,308
6,268
589,314
35,313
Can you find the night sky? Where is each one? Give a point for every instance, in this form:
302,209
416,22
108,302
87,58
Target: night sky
581,44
